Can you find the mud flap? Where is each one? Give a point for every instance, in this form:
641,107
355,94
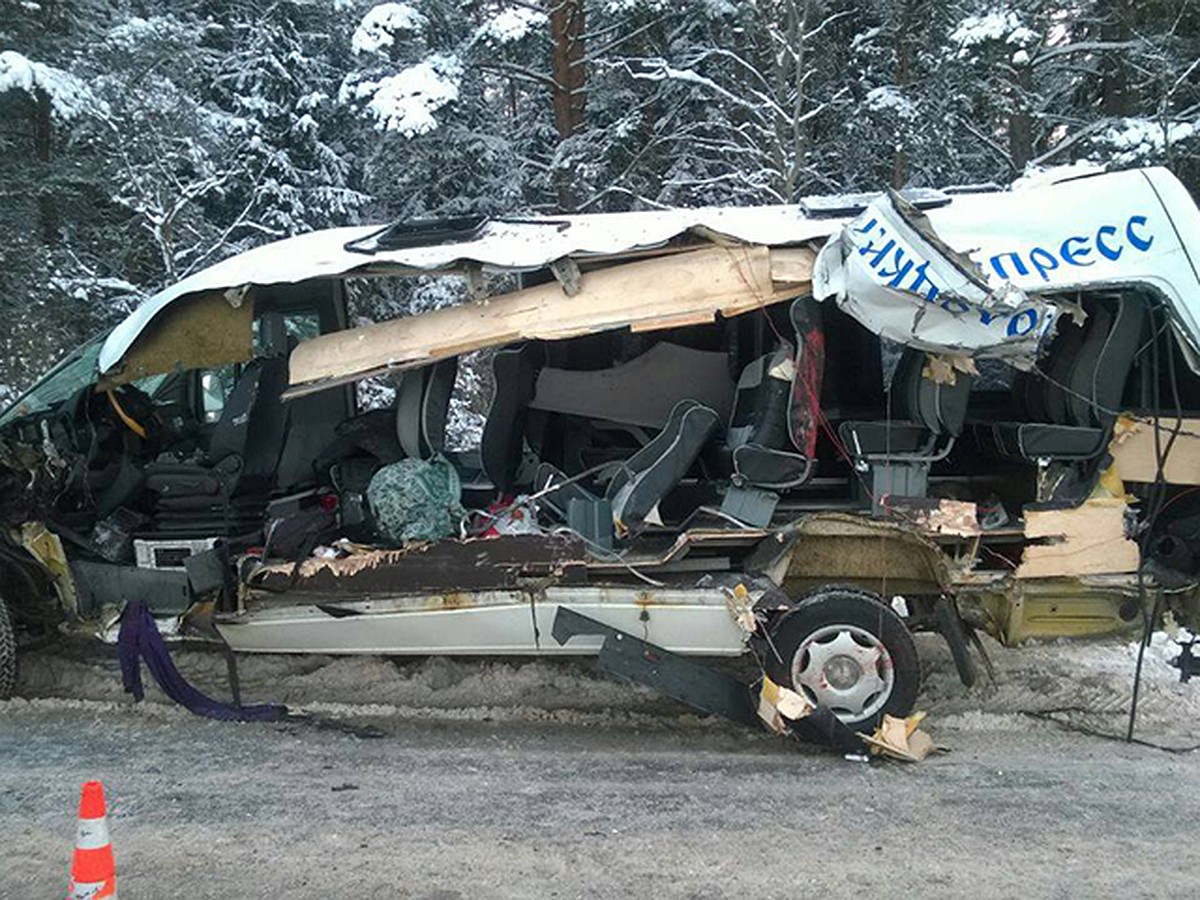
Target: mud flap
630,659
627,658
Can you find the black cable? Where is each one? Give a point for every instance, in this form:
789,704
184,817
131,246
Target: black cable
1048,715
1158,493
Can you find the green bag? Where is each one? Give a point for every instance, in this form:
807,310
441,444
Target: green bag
416,500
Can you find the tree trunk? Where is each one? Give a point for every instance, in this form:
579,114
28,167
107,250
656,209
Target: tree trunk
1115,95
567,70
903,51
1020,121
43,142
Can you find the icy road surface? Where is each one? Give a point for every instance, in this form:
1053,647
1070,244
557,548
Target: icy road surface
538,779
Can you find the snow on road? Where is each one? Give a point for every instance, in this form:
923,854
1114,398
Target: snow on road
528,778
1095,677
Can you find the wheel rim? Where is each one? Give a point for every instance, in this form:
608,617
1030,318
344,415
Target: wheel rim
844,668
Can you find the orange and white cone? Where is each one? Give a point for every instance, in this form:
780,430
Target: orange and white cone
93,872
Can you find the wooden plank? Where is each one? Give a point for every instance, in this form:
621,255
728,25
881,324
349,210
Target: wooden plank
447,566
1136,457
1087,540
792,265
662,290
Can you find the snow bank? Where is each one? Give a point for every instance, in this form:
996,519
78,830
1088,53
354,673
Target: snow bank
1096,677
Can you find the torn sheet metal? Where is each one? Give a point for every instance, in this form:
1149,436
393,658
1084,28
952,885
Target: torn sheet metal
1127,227
890,270
983,253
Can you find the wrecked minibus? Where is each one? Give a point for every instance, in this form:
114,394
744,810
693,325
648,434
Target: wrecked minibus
797,432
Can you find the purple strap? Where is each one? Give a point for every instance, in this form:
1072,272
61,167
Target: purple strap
139,639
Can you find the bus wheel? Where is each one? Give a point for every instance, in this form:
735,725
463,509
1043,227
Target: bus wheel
845,649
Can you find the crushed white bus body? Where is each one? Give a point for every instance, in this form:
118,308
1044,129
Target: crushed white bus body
803,431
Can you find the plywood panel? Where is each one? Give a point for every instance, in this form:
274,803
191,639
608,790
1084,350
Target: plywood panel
1087,540
1137,458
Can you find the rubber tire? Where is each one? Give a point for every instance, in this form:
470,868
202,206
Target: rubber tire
8,653
841,605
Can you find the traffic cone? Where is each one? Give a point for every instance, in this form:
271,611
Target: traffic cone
93,872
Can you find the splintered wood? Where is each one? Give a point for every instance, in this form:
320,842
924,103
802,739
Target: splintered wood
1087,540
900,739
663,292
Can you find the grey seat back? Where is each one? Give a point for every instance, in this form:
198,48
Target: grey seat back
760,402
644,479
1059,370
229,435
1104,361
267,424
423,408
939,407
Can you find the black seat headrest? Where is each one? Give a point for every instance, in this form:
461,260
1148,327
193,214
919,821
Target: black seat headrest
938,406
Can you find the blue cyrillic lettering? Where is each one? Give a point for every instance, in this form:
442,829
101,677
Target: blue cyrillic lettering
963,305
1025,315
1071,256
1044,261
876,256
920,280
894,278
1142,243
1018,264
1105,250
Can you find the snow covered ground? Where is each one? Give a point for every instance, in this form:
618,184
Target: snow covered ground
1095,677
540,779
536,779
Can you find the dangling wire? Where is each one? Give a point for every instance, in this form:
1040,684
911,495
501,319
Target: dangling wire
1158,493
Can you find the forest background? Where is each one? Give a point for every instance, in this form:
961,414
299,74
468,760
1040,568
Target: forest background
140,142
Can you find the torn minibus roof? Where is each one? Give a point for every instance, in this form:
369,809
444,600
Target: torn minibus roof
513,245
1102,230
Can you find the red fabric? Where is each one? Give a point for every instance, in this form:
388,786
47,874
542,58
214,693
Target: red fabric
805,412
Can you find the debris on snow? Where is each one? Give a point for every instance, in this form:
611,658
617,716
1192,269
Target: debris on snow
901,739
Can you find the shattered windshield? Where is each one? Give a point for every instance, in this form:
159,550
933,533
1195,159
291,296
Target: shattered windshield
75,371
